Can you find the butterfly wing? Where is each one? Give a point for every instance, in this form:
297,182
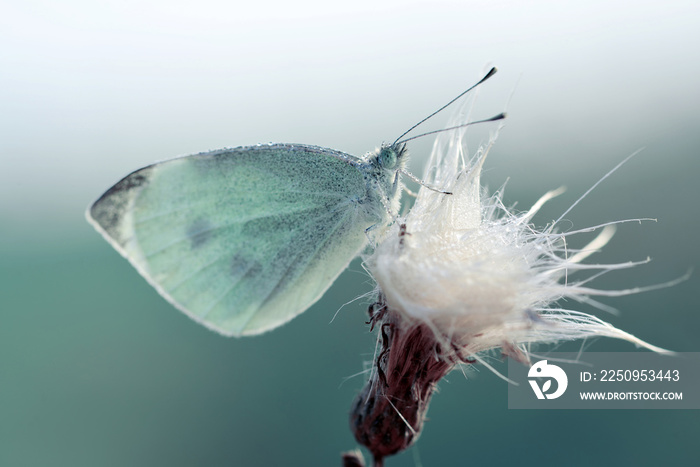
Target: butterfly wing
241,240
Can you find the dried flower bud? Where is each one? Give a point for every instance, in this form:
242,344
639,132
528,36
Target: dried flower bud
388,414
461,275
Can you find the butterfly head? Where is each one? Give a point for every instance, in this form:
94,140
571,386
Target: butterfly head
392,157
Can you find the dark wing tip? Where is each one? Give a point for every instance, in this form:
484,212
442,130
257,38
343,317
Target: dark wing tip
109,211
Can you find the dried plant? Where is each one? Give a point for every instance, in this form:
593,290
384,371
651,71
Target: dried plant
462,275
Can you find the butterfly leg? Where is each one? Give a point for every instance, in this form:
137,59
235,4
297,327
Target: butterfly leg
422,183
370,239
409,192
385,201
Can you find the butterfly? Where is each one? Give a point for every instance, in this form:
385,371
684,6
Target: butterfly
243,240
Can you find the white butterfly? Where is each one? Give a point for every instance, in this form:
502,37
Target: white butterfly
242,240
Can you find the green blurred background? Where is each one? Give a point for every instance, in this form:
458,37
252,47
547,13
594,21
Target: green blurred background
97,369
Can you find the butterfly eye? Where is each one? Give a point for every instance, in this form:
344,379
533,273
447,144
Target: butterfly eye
387,158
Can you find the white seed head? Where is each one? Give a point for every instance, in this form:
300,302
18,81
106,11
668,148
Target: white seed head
481,275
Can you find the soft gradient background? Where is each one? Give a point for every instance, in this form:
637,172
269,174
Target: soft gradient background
97,369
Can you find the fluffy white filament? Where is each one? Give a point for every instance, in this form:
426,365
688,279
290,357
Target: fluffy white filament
481,276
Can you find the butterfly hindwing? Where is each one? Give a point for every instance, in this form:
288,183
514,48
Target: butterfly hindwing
242,239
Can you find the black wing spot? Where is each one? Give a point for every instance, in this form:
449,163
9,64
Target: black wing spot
199,232
255,269
242,266
239,265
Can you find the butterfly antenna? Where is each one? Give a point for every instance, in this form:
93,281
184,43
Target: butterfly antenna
500,116
491,72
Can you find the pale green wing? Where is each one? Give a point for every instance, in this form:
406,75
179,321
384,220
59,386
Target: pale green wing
241,240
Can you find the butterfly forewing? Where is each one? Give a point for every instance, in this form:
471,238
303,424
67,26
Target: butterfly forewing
244,239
